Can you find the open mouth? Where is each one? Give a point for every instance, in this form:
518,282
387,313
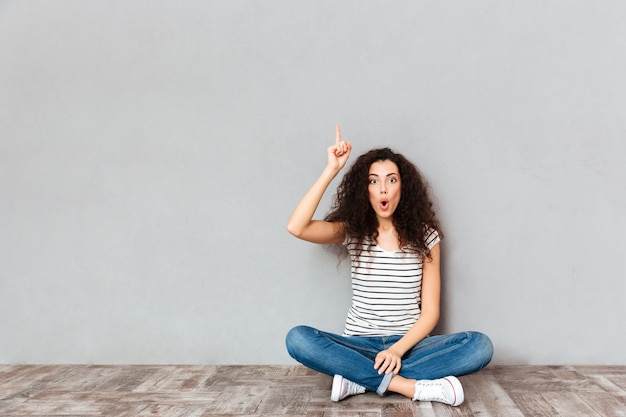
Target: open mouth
384,204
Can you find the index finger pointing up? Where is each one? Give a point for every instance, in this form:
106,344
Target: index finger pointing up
337,134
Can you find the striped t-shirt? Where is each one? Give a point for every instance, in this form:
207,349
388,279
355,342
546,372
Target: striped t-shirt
386,288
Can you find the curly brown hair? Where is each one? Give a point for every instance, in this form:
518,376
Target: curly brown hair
413,217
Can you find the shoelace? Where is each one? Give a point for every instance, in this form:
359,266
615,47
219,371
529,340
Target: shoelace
353,387
429,391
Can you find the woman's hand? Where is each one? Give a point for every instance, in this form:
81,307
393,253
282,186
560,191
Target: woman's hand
388,361
338,153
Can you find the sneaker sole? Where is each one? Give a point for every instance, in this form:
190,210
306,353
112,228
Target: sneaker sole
336,390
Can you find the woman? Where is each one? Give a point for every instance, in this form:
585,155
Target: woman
383,215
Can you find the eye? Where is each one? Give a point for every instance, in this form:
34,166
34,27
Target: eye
393,180
373,181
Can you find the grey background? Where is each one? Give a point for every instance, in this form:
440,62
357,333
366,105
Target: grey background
151,153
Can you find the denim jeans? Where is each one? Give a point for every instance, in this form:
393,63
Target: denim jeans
353,356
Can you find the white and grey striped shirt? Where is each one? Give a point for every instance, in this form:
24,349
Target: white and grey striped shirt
386,288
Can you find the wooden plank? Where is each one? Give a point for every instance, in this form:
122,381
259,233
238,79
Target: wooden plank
178,378
612,385
407,408
238,400
604,404
486,397
526,378
16,380
601,370
533,404
170,410
284,400
569,379
569,404
61,405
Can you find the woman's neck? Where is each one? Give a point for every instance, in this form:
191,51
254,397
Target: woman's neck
384,225
387,236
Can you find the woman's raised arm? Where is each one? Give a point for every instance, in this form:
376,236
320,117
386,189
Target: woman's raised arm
301,223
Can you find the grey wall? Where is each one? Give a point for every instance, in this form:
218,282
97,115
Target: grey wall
151,154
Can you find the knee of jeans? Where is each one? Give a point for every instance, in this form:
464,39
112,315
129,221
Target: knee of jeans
296,340
484,347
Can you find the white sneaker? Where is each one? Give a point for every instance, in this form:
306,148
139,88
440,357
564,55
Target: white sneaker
446,390
343,388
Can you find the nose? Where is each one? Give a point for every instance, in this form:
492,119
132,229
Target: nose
383,188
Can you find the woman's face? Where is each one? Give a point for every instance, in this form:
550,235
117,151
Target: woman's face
384,188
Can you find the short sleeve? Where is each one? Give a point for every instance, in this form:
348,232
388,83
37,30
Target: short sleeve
432,238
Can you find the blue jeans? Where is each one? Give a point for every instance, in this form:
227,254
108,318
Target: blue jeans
353,356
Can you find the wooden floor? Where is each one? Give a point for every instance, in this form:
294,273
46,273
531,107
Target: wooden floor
82,390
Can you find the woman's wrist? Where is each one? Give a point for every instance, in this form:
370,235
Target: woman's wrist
330,172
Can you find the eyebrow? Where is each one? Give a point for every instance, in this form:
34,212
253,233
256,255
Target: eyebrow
389,175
